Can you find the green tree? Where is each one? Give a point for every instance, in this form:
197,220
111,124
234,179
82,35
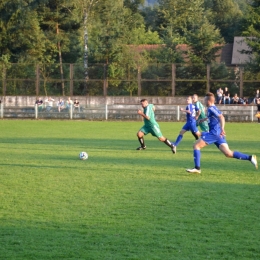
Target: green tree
227,16
251,30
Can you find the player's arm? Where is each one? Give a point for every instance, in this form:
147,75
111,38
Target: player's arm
185,110
222,124
202,120
141,113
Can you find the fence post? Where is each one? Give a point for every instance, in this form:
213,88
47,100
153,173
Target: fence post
139,91
37,81
178,113
4,81
208,78
252,113
105,81
241,82
71,110
106,111
36,111
173,79
71,79
2,110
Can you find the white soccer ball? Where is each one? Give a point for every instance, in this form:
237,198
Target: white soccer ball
83,156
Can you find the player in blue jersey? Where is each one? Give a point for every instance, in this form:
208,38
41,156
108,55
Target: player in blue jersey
191,112
150,125
216,135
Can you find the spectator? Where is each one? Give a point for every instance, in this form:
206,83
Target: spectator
258,111
60,104
244,100
49,103
39,104
219,95
76,105
257,97
226,96
69,103
235,99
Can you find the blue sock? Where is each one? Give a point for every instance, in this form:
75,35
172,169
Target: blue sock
196,154
178,140
241,156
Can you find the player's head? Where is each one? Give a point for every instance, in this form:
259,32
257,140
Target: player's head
195,98
144,102
189,99
209,99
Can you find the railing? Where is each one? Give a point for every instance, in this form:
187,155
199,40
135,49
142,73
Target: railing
166,113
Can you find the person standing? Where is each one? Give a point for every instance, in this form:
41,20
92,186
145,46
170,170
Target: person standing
216,135
39,104
69,103
258,111
201,116
191,111
150,125
257,96
49,103
226,96
219,95
60,104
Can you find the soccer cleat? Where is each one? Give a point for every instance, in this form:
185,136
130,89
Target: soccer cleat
174,149
141,148
194,170
254,161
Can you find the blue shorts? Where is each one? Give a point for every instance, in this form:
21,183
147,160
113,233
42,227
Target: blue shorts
190,127
209,138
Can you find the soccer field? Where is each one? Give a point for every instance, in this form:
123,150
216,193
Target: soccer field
122,203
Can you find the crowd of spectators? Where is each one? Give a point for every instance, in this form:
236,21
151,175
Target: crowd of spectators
224,97
48,104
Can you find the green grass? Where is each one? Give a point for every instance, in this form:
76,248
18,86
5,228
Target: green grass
122,203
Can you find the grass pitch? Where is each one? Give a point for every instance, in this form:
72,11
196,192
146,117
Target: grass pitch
122,203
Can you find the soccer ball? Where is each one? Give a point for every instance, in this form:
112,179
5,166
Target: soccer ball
83,156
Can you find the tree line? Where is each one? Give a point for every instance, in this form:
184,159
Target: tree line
53,33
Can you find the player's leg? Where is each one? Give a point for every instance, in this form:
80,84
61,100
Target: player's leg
199,144
166,141
184,129
157,132
224,148
195,131
140,136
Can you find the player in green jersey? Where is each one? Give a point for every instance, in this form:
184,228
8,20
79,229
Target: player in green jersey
201,114
150,125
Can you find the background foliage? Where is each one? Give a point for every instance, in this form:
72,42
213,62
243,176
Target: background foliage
92,31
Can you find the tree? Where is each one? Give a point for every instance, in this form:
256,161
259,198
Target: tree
251,30
227,16
60,27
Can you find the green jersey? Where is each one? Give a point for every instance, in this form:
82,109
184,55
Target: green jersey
149,112
204,125
151,126
201,109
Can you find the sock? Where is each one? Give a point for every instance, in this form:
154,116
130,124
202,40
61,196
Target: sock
196,154
178,140
167,142
241,156
194,134
141,141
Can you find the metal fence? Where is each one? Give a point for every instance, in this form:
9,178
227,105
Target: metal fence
153,80
166,113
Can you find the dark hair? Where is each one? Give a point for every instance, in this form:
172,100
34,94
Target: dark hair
142,100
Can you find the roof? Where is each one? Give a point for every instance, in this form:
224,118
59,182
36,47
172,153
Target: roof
239,47
230,53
